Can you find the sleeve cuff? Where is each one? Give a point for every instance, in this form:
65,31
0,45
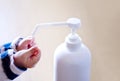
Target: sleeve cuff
15,43
14,68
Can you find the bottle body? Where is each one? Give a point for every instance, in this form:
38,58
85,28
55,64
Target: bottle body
72,62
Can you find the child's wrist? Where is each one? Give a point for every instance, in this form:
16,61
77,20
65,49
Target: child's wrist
14,68
18,64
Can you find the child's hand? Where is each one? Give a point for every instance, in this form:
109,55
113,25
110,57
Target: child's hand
27,58
26,43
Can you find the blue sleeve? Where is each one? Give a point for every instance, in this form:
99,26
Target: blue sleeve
5,47
6,66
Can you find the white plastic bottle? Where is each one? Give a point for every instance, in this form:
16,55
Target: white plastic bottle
72,60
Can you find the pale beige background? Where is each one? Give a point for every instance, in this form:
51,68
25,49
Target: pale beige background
100,32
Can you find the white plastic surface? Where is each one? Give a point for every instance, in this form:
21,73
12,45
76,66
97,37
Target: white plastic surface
72,60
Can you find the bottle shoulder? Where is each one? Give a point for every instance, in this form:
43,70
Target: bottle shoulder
63,50
64,55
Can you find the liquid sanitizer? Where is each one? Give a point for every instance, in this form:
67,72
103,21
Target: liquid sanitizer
72,59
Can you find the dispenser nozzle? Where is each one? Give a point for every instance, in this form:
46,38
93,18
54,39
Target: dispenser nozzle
73,23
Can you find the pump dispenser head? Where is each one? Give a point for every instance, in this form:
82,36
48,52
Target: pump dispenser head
73,23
